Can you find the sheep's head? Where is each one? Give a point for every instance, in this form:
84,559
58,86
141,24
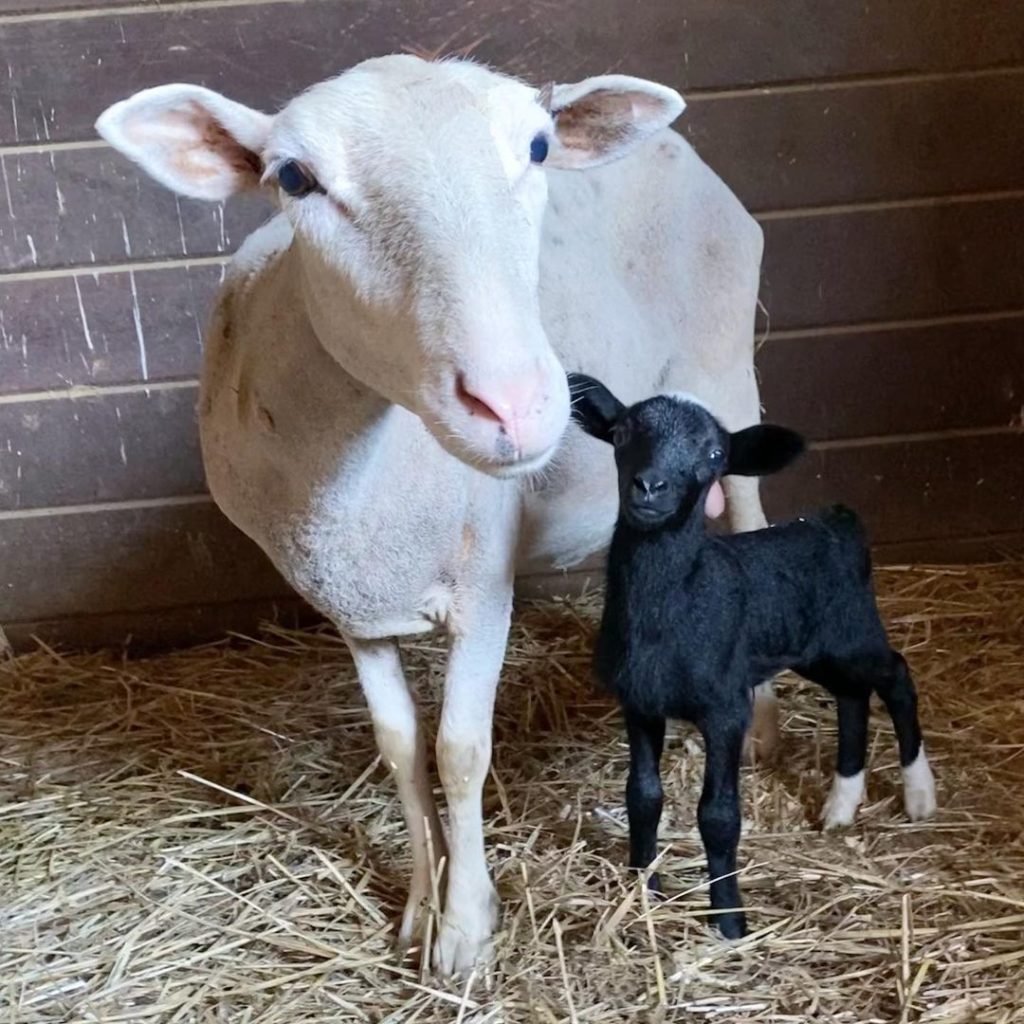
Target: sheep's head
672,453
416,190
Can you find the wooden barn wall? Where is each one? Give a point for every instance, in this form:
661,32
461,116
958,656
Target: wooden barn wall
878,144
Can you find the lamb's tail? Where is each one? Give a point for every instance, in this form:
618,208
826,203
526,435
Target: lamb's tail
848,529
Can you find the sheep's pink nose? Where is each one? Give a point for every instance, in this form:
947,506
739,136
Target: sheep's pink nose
517,407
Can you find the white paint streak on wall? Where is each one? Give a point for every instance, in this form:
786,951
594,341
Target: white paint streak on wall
219,213
181,227
124,235
136,312
82,316
7,187
137,317
32,250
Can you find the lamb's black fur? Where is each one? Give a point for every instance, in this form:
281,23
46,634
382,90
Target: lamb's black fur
693,621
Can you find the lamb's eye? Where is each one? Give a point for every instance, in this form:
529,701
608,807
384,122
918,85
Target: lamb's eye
296,180
716,457
620,434
539,149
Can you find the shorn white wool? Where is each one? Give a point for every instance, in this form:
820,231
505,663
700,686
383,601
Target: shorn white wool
384,372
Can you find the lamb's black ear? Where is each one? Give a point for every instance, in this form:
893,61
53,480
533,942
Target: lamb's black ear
763,449
594,407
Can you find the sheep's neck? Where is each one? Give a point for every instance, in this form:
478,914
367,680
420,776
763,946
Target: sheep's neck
643,555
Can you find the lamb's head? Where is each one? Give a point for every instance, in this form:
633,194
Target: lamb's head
672,453
416,190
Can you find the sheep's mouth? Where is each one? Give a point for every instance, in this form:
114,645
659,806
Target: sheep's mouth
647,515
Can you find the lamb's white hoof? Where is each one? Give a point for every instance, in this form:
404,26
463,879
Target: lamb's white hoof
846,796
919,788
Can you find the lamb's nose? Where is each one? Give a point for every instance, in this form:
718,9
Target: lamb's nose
647,485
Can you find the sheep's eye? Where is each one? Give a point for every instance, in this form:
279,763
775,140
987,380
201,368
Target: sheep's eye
620,434
296,179
716,457
539,149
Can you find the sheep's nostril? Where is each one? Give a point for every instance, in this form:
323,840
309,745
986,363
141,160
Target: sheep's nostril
476,406
647,486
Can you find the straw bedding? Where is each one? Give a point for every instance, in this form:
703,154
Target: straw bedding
209,836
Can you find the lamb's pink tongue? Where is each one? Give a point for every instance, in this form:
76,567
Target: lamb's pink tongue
714,503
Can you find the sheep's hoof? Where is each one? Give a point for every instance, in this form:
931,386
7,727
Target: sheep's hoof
844,799
919,789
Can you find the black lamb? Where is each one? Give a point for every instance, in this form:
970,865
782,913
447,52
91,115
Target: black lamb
693,621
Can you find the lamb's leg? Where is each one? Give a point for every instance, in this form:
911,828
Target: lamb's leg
718,816
896,688
643,790
400,741
463,759
848,785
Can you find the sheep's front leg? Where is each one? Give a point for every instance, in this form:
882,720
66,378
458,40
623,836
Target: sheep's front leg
718,815
743,505
463,759
400,741
643,790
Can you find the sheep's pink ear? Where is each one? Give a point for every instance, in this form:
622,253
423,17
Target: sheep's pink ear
191,139
601,119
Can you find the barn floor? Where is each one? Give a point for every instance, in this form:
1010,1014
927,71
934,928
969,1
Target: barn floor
209,836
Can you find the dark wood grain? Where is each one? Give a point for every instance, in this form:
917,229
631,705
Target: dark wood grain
63,72
81,330
92,206
909,380
893,264
99,448
143,631
887,141
121,560
795,150
848,267
929,490
862,103
128,559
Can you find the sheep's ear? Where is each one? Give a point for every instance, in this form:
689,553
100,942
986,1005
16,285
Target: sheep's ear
763,449
594,407
193,140
603,118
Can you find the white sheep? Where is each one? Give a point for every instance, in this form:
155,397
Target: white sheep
383,394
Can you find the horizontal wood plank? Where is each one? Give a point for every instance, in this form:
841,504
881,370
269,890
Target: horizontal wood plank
86,206
99,448
796,150
64,71
143,631
127,560
894,263
888,141
89,330
928,490
140,444
929,377
149,558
